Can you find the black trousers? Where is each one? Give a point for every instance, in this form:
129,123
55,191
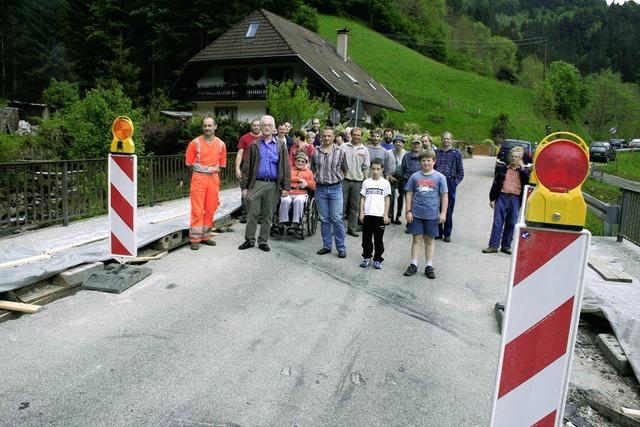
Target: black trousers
372,232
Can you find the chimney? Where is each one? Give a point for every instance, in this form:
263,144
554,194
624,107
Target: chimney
342,42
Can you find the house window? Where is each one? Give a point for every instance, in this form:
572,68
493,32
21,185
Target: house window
353,80
235,76
280,74
335,72
372,86
252,30
226,112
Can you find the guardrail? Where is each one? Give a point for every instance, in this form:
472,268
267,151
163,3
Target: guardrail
608,213
37,194
629,216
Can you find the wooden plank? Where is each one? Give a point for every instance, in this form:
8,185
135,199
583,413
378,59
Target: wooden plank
608,271
633,413
19,306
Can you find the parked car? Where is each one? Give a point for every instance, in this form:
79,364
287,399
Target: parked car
634,143
617,143
507,145
600,151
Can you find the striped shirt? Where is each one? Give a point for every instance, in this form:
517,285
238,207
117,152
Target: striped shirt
330,166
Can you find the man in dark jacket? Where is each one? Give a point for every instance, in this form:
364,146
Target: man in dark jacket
266,174
505,198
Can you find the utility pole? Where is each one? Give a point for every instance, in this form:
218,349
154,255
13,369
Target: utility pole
544,66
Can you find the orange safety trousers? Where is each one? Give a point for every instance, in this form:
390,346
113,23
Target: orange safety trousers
205,200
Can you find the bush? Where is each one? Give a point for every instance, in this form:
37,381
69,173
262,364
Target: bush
18,147
306,16
61,95
83,129
501,127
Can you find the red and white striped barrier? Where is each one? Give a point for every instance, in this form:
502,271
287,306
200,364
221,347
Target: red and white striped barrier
123,203
540,326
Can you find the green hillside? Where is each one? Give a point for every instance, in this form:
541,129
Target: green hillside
436,96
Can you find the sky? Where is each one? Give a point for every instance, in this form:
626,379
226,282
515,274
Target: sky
620,1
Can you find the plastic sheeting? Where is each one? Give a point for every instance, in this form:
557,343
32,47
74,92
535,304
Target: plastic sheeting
52,254
619,303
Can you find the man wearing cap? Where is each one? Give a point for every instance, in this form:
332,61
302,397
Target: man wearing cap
357,157
395,179
449,163
301,183
266,174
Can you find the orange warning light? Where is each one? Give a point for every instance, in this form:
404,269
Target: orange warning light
122,129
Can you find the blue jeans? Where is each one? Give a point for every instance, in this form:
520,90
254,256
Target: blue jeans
329,204
505,214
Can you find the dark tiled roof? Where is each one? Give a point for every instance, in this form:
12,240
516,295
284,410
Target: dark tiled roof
234,45
277,37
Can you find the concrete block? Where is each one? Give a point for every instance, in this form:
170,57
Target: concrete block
613,352
116,278
76,275
168,242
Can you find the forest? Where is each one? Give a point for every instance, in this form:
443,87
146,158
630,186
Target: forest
580,57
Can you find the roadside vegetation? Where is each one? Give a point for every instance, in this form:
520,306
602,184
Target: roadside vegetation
602,191
626,165
438,97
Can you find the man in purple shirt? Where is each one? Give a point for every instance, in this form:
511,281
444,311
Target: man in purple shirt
265,173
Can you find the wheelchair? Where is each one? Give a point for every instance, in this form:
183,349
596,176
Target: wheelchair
308,222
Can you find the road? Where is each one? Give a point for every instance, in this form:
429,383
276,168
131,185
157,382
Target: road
222,337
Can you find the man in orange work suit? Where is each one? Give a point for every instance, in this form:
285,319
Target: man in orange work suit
205,156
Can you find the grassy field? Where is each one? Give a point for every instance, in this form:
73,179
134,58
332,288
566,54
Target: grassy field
626,165
606,192
436,96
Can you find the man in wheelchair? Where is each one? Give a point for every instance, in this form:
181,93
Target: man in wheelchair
302,183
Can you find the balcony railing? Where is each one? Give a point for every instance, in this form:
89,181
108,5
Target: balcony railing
220,93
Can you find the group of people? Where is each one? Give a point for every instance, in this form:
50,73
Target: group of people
366,186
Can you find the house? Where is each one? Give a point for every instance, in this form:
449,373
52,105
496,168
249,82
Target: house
229,77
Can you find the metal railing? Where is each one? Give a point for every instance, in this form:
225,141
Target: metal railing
629,216
607,212
37,194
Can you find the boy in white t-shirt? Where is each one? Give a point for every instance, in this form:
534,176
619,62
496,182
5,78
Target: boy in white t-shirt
374,206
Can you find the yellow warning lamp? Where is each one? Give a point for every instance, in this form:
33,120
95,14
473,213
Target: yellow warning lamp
560,167
122,129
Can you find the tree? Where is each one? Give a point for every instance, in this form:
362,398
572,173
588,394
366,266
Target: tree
545,100
530,74
61,94
83,129
293,103
568,89
612,103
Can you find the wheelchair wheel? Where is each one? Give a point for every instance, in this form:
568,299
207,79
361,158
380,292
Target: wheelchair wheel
312,218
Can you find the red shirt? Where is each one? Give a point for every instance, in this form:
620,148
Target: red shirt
245,141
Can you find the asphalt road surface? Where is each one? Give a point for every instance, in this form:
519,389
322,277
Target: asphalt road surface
222,337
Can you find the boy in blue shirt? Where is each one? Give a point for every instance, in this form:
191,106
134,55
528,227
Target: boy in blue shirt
426,206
